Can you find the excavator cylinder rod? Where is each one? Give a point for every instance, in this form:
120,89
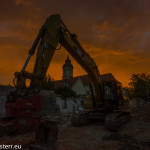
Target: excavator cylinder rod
41,32
26,62
32,50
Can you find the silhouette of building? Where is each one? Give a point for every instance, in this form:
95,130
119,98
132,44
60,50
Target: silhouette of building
67,69
81,84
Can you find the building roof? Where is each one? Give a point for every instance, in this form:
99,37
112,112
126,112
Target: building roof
70,82
108,78
85,80
68,63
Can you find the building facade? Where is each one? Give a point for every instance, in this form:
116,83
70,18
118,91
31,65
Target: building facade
82,84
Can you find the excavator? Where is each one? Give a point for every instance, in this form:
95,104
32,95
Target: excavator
24,105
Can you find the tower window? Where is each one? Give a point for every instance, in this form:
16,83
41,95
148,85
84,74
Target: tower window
65,84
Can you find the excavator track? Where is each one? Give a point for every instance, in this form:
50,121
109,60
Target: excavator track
84,117
79,119
115,120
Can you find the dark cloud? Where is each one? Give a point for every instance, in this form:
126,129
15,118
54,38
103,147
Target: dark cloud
114,32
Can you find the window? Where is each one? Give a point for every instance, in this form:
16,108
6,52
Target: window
65,84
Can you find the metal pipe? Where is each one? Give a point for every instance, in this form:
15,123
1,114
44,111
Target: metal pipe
26,62
32,50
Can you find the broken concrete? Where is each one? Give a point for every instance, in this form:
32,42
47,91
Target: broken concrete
140,109
50,108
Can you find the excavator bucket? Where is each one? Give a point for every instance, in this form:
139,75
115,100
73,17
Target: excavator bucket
46,136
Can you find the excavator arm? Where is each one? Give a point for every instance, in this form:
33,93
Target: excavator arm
70,43
24,104
53,32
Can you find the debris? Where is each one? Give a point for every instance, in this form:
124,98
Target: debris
65,120
140,109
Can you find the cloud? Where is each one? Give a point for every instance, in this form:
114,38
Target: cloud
115,33
22,2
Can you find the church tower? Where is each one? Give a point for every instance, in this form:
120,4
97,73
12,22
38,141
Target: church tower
67,69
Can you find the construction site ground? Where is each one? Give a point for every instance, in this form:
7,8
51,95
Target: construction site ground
135,135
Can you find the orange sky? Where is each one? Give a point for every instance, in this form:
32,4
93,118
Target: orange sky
116,33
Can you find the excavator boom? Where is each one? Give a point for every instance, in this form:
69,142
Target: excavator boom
53,32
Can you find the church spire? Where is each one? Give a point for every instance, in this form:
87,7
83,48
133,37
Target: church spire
67,68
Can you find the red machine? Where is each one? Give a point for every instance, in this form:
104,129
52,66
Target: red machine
20,116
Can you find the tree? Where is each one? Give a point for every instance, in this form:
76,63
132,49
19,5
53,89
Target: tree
48,83
65,92
139,86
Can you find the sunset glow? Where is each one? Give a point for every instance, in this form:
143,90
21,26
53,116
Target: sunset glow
115,33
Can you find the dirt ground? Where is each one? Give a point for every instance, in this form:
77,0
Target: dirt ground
135,135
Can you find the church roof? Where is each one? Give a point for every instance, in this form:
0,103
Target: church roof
85,80
109,78
68,63
70,81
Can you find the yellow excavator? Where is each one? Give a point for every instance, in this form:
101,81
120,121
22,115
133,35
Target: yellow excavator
23,104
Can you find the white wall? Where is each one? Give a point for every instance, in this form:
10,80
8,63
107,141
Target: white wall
79,88
72,105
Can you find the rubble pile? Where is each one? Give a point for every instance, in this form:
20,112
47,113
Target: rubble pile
140,109
65,120
50,108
